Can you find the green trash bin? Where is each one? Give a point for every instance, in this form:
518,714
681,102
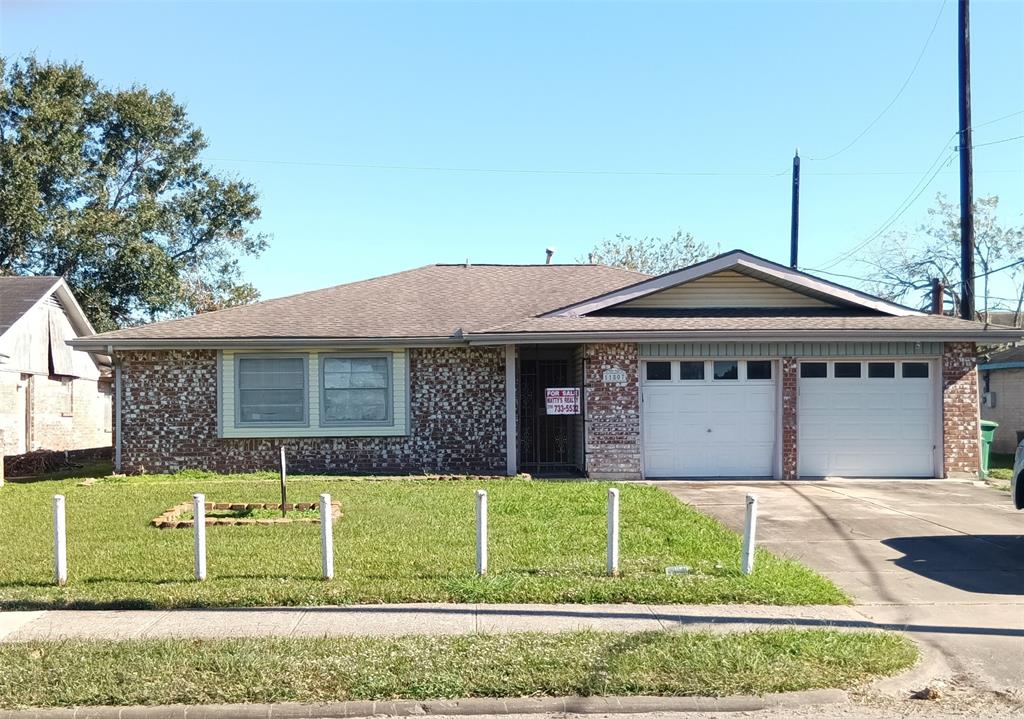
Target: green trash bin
988,433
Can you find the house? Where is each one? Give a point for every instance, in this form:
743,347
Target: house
51,396
1002,395
733,367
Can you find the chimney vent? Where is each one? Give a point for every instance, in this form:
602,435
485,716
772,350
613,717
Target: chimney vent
550,252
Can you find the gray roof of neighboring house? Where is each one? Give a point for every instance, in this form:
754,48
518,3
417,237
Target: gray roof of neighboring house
20,294
523,303
1005,359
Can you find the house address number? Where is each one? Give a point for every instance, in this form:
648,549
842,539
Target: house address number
613,375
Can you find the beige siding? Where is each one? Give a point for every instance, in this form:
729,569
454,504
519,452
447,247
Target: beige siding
1008,387
725,289
400,399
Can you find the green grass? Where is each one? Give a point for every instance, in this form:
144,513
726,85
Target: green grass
399,540
1000,467
172,671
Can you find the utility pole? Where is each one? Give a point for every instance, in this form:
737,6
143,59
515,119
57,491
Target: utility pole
966,164
794,223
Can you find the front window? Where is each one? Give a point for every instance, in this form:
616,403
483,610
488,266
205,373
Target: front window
271,390
355,390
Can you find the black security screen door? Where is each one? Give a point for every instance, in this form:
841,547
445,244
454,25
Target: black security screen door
547,442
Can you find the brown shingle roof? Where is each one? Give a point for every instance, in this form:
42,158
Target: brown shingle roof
19,294
435,301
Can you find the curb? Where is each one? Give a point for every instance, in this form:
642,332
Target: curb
450,707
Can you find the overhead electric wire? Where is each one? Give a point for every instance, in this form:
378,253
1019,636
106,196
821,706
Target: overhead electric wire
999,119
997,142
896,97
922,184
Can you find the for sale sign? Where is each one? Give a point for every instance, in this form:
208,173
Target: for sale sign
562,400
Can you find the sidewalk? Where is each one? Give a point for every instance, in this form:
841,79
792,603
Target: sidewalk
393,619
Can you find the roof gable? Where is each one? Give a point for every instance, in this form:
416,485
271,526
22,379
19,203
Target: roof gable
735,279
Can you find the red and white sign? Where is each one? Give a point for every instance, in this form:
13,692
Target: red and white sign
562,400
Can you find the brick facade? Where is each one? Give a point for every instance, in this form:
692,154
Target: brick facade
790,454
612,412
960,416
457,413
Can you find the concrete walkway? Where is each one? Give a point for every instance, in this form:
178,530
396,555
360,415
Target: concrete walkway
395,619
944,558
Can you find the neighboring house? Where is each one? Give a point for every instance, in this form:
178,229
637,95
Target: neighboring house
1002,387
734,367
51,396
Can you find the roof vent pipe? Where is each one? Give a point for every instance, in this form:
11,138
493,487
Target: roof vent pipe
550,252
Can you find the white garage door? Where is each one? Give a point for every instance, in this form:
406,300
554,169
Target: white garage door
867,418
709,418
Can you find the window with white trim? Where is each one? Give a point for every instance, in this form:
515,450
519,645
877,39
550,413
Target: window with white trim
355,389
271,390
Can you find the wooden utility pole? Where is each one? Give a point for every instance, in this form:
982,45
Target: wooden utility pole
794,223
966,164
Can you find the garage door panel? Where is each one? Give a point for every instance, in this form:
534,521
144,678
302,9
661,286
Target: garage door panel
866,427
741,420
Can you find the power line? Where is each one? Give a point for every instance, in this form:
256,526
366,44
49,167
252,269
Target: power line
997,142
922,184
896,97
999,119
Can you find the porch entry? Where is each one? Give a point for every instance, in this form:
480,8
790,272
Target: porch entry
549,443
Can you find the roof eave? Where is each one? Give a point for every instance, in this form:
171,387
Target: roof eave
108,345
993,336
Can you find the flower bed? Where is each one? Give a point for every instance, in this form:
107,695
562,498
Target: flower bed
236,514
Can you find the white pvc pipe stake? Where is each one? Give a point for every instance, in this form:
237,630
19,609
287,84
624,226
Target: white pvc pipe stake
60,542
326,537
613,532
481,532
749,530
199,524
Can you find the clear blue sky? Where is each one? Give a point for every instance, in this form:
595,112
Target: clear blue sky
287,93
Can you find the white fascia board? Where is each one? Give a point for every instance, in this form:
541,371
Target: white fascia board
751,336
757,266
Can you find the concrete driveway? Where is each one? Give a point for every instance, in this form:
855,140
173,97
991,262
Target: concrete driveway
944,559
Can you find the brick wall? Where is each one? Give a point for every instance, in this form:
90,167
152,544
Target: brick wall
961,445
65,413
790,452
613,412
457,412
1008,387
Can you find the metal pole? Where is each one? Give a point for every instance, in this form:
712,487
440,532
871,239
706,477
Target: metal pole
60,542
326,537
794,222
966,164
284,483
199,525
749,530
481,532
613,532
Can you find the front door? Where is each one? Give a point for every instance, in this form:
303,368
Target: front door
547,442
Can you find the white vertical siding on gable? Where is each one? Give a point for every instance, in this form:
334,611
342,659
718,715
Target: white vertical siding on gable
399,398
725,289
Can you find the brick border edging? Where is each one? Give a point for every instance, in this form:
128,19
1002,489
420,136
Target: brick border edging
450,707
170,518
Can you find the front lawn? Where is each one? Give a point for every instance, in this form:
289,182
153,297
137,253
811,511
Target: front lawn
171,671
398,540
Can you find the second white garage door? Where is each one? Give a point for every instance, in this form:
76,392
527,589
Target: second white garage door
867,418
709,418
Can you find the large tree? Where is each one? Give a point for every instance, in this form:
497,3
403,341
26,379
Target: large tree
905,263
651,255
106,188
